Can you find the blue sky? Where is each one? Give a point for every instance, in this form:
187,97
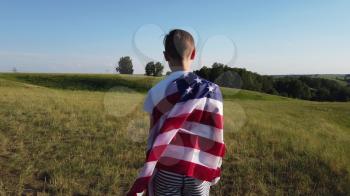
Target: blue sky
268,37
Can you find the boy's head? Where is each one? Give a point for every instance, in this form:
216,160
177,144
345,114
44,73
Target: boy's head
179,49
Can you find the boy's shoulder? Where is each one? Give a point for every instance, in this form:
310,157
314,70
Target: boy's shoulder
193,78
163,87
160,86
188,77
156,93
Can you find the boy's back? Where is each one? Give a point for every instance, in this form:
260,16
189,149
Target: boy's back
185,145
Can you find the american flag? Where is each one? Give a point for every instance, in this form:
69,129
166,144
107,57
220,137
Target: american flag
186,132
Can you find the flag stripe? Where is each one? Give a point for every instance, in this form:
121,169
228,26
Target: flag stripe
198,129
138,186
198,142
203,131
148,169
206,104
207,118
184,153
199,116
188,168
210,106
164,106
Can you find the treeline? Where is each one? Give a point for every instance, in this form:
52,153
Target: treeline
347,79
301,87
125,66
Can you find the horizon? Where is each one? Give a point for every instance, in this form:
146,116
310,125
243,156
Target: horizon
269,38
164,73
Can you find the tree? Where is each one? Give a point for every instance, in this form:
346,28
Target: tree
229,79
125,65
216,70
204,72
299,90
149,68
322,94
293,87
347,79
158,69
154,69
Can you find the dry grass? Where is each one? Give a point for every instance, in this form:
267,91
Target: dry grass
55,141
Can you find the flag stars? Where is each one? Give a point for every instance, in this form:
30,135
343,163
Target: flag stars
210,88
198,80
188,90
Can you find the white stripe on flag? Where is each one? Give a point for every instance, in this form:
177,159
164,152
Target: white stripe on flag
192,155
165,138
205,104
203,130
147,169
195,128
184,108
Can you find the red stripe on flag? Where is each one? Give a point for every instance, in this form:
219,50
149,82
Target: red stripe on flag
188,168
208,118
164,106
139,185
155,153
203,117
188,140
200,143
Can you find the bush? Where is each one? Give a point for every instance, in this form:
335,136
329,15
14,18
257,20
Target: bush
154,69
125,65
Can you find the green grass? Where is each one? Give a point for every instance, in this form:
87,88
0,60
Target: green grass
65,134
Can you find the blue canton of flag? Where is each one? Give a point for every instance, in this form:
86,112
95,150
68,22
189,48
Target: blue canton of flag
192,86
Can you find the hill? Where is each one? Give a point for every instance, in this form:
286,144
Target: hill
340,78
306,87
77,134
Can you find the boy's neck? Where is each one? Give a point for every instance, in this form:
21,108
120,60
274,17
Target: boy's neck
181,67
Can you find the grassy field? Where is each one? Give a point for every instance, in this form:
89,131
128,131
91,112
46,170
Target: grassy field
74,134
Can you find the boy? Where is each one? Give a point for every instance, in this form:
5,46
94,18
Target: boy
185,145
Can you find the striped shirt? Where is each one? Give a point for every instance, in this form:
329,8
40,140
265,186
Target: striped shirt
169,183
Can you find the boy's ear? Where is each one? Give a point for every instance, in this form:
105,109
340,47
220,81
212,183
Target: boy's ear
165,56
193,54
